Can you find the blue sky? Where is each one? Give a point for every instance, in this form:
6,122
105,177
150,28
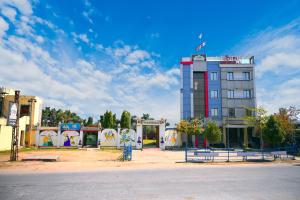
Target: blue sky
90,56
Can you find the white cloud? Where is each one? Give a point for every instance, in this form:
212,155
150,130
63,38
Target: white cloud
277,54
3,27
155,35
23,6
9,12
84,38
137,56
111,78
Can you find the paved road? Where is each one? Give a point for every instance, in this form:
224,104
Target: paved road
217,182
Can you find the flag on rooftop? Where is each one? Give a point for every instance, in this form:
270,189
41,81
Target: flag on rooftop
200,36
200,46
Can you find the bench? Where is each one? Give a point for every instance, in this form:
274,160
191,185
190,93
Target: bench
278,154
206,155
246,154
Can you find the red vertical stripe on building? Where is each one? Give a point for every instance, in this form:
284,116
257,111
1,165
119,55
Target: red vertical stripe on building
206,93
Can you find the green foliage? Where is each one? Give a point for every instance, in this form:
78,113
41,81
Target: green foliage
272,132
212,132
52,117
108,120
183,127
193,127
89,122
125,120
258,118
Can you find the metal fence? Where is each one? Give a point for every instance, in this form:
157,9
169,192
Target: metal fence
231,154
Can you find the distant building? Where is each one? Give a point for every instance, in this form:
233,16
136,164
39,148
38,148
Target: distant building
30,116
219,89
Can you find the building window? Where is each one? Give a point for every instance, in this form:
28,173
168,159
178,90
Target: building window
213,76
230,76
231,112
214,112
214,94
246,94
24,111
230,94
246,75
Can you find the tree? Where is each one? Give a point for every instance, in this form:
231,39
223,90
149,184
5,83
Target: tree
212,132
272,132
287,118
89,122
108,120
125,120
192,127
52,117
257,117
183,127
133,121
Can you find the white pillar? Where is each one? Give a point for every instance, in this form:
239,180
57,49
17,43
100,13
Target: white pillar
81,139
162,141
118,137
139,136
99,139
58,135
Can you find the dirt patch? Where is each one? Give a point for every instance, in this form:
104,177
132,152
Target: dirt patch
94,159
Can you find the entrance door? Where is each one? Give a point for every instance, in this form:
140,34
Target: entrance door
90,139
150,136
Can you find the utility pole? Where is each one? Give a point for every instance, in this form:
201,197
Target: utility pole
15,129
31,118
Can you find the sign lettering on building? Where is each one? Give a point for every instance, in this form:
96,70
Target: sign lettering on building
70,127
199,58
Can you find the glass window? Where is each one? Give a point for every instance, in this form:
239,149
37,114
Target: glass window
246,94
214,94
213,76
229,75
246,75
214,112
230,94
231,112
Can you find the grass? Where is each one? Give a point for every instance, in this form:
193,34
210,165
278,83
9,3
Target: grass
149,142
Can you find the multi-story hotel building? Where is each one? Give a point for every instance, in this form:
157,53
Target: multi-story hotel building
221,89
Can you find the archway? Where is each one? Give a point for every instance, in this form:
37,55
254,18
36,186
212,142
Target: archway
161,124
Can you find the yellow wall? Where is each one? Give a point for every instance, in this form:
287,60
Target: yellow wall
24,122
5,137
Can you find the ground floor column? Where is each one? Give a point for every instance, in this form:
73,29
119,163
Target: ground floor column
139,136
245,137
224,136
80,143
162,129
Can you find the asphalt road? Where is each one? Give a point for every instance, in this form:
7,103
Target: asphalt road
216,182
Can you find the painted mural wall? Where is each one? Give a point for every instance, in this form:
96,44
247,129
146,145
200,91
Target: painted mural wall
109,137
48,138
70,138
172,138
128,136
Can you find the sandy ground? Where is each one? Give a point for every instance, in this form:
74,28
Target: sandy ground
94,160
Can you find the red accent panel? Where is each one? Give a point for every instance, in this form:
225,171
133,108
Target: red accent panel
204,143
186,62
196,141
206,93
